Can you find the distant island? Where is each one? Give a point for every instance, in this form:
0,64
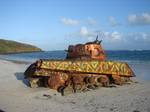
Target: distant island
9,46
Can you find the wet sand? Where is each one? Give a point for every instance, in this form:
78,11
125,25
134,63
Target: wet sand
16,96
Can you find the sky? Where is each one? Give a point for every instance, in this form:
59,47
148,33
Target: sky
55,24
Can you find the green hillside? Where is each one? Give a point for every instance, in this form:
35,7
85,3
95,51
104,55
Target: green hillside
7,46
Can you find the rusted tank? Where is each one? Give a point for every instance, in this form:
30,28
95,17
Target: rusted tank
84,68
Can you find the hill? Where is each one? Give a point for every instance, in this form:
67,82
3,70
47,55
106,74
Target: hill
8,46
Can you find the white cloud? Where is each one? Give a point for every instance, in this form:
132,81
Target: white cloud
106,36
116,40
69,21
84,32
145,36
116,36
141,36
87,33
91,21
141,19
113,21
113,37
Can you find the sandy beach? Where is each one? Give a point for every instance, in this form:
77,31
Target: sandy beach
16,96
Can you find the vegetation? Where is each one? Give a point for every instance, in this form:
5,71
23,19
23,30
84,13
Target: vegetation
7,46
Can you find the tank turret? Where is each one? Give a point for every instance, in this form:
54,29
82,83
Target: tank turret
87,51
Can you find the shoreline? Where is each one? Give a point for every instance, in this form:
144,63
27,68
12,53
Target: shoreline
16,61
20,52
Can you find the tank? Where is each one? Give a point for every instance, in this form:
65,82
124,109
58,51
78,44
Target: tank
85,67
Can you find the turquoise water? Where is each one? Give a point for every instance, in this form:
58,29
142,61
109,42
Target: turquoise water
139,61
111,55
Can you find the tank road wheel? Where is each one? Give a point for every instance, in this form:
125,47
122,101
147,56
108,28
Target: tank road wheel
53,84
117,79
97,81
78,83
93,82
55,81
104,80
90,82
72,85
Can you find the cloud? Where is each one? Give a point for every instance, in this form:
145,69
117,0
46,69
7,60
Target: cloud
113,37
145,36
138,40
69,21
87,33
116,36
84,32
139,37
91,21
114,40
113,21
106,36
117,40
141,19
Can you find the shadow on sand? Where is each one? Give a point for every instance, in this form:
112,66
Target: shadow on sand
20,76
1,110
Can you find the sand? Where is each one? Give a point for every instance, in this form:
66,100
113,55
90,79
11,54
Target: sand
16,96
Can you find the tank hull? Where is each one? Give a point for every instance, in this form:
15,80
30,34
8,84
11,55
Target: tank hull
87,66
78,75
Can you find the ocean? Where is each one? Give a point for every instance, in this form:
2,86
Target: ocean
138,60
